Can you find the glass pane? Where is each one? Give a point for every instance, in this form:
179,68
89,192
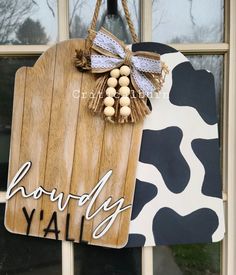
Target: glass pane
28,22
95,260
197,259
81,13
8,67
188,21
26,255
201,259
215,64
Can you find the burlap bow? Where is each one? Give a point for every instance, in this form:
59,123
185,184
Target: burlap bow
108,53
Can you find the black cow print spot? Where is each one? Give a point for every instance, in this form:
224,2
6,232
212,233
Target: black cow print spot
197,227
195,89
153,47
136,240
140,200
208,153
161,148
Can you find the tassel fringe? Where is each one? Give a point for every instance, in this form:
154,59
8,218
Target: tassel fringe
139,108
138,101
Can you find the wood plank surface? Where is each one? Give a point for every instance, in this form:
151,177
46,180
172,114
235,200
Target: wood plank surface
17,114
34,133
114,156
88,148
71,150
62,133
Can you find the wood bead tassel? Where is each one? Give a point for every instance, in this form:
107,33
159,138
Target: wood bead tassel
124,82
120,76
113,97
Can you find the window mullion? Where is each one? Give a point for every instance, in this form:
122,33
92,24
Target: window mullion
67,258
8,50
146,20
231,146
63,34
2,197
146,35
63,20
202,48
224,141
147,261
224,145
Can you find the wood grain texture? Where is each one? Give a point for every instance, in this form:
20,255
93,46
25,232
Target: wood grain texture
62,131
18,112
114,156
88,148
70,149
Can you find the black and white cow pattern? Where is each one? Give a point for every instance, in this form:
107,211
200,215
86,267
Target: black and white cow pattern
178,189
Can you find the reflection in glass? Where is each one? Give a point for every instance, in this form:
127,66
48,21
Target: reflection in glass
197,259
26,255
94,260
81,13
188,21
114,23
214,64
8,68
28,22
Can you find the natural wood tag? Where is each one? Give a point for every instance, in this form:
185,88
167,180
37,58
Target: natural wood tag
79,174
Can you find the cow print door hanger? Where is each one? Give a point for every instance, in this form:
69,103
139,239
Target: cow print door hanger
178,195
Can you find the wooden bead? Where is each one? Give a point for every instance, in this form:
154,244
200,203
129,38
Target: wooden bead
125,111
109,101
124,101
115,73
110,91
109,111
124,81
125,70
112,82
124,91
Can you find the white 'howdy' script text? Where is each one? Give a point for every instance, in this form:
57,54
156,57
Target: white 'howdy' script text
90,198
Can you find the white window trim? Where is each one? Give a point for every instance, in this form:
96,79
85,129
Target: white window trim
229,252
67,258
229,123
146,35
63,19
63,34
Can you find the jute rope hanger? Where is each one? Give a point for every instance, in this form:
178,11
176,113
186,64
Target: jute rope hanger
93,25
134,100
82,60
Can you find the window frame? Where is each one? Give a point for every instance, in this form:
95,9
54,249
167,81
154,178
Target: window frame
228,49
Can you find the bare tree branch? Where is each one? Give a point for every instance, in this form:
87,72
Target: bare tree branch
50,8
161,14
75,7
35,3
191,12
12,14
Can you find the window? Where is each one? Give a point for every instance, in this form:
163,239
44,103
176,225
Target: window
28,22
204,30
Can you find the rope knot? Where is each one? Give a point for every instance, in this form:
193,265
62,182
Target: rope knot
128,57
